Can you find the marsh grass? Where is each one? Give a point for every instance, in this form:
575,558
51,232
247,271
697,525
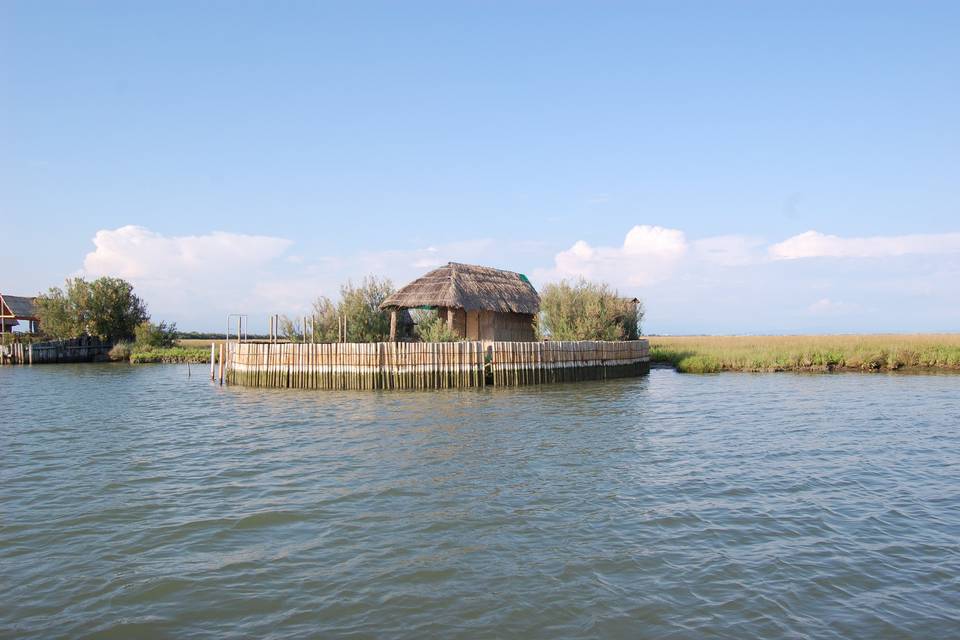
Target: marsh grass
877,352
170,355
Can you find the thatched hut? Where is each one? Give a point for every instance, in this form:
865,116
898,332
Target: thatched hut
479,303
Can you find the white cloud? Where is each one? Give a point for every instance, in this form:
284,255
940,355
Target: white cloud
196,280
814,244
187,279
648,255
137,253
651,254
726,283
736,283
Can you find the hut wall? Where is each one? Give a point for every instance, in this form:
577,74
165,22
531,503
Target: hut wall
473,326
513,327
490,326
459,319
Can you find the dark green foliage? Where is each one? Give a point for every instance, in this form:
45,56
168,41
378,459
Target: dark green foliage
106,308
150,335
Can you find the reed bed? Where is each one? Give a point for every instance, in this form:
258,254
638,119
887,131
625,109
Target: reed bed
871,352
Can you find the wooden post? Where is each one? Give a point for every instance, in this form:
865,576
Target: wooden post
213,360
393,325
221,364
450,318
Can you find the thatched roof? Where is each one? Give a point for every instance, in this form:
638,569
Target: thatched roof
19,306
469,287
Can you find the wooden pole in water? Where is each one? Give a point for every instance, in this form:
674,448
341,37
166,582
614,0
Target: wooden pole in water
221,364
212,360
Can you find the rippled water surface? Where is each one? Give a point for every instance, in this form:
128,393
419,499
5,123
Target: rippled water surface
136,502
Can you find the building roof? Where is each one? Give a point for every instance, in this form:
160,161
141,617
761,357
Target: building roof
19,307
469,287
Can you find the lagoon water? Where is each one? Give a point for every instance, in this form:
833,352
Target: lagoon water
136,502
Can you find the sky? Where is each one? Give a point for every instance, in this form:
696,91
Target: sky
742,167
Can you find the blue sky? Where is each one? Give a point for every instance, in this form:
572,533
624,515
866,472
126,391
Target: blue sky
741,166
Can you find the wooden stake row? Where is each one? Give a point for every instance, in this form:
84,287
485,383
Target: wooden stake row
17,353
437,365
523,363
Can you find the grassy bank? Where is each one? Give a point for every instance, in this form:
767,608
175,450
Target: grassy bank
880,352
170,355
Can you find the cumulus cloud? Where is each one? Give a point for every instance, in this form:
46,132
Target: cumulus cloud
196,280
651,254
137,253
739,283
188,278
724,283
648,254
814,244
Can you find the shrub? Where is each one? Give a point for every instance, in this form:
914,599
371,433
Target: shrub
120,351
150,335
430,327
359,309
585,310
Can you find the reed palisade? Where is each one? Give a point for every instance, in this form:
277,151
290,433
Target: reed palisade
429,365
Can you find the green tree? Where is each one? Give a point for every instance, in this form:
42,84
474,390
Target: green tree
323,321
584,310
149,335
360,307
106,308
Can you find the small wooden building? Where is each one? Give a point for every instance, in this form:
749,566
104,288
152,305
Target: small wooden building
479,303
16,308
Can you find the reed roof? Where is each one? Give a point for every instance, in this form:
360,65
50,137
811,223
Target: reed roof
468,287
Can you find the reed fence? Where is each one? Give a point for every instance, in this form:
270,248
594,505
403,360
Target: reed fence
434,365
